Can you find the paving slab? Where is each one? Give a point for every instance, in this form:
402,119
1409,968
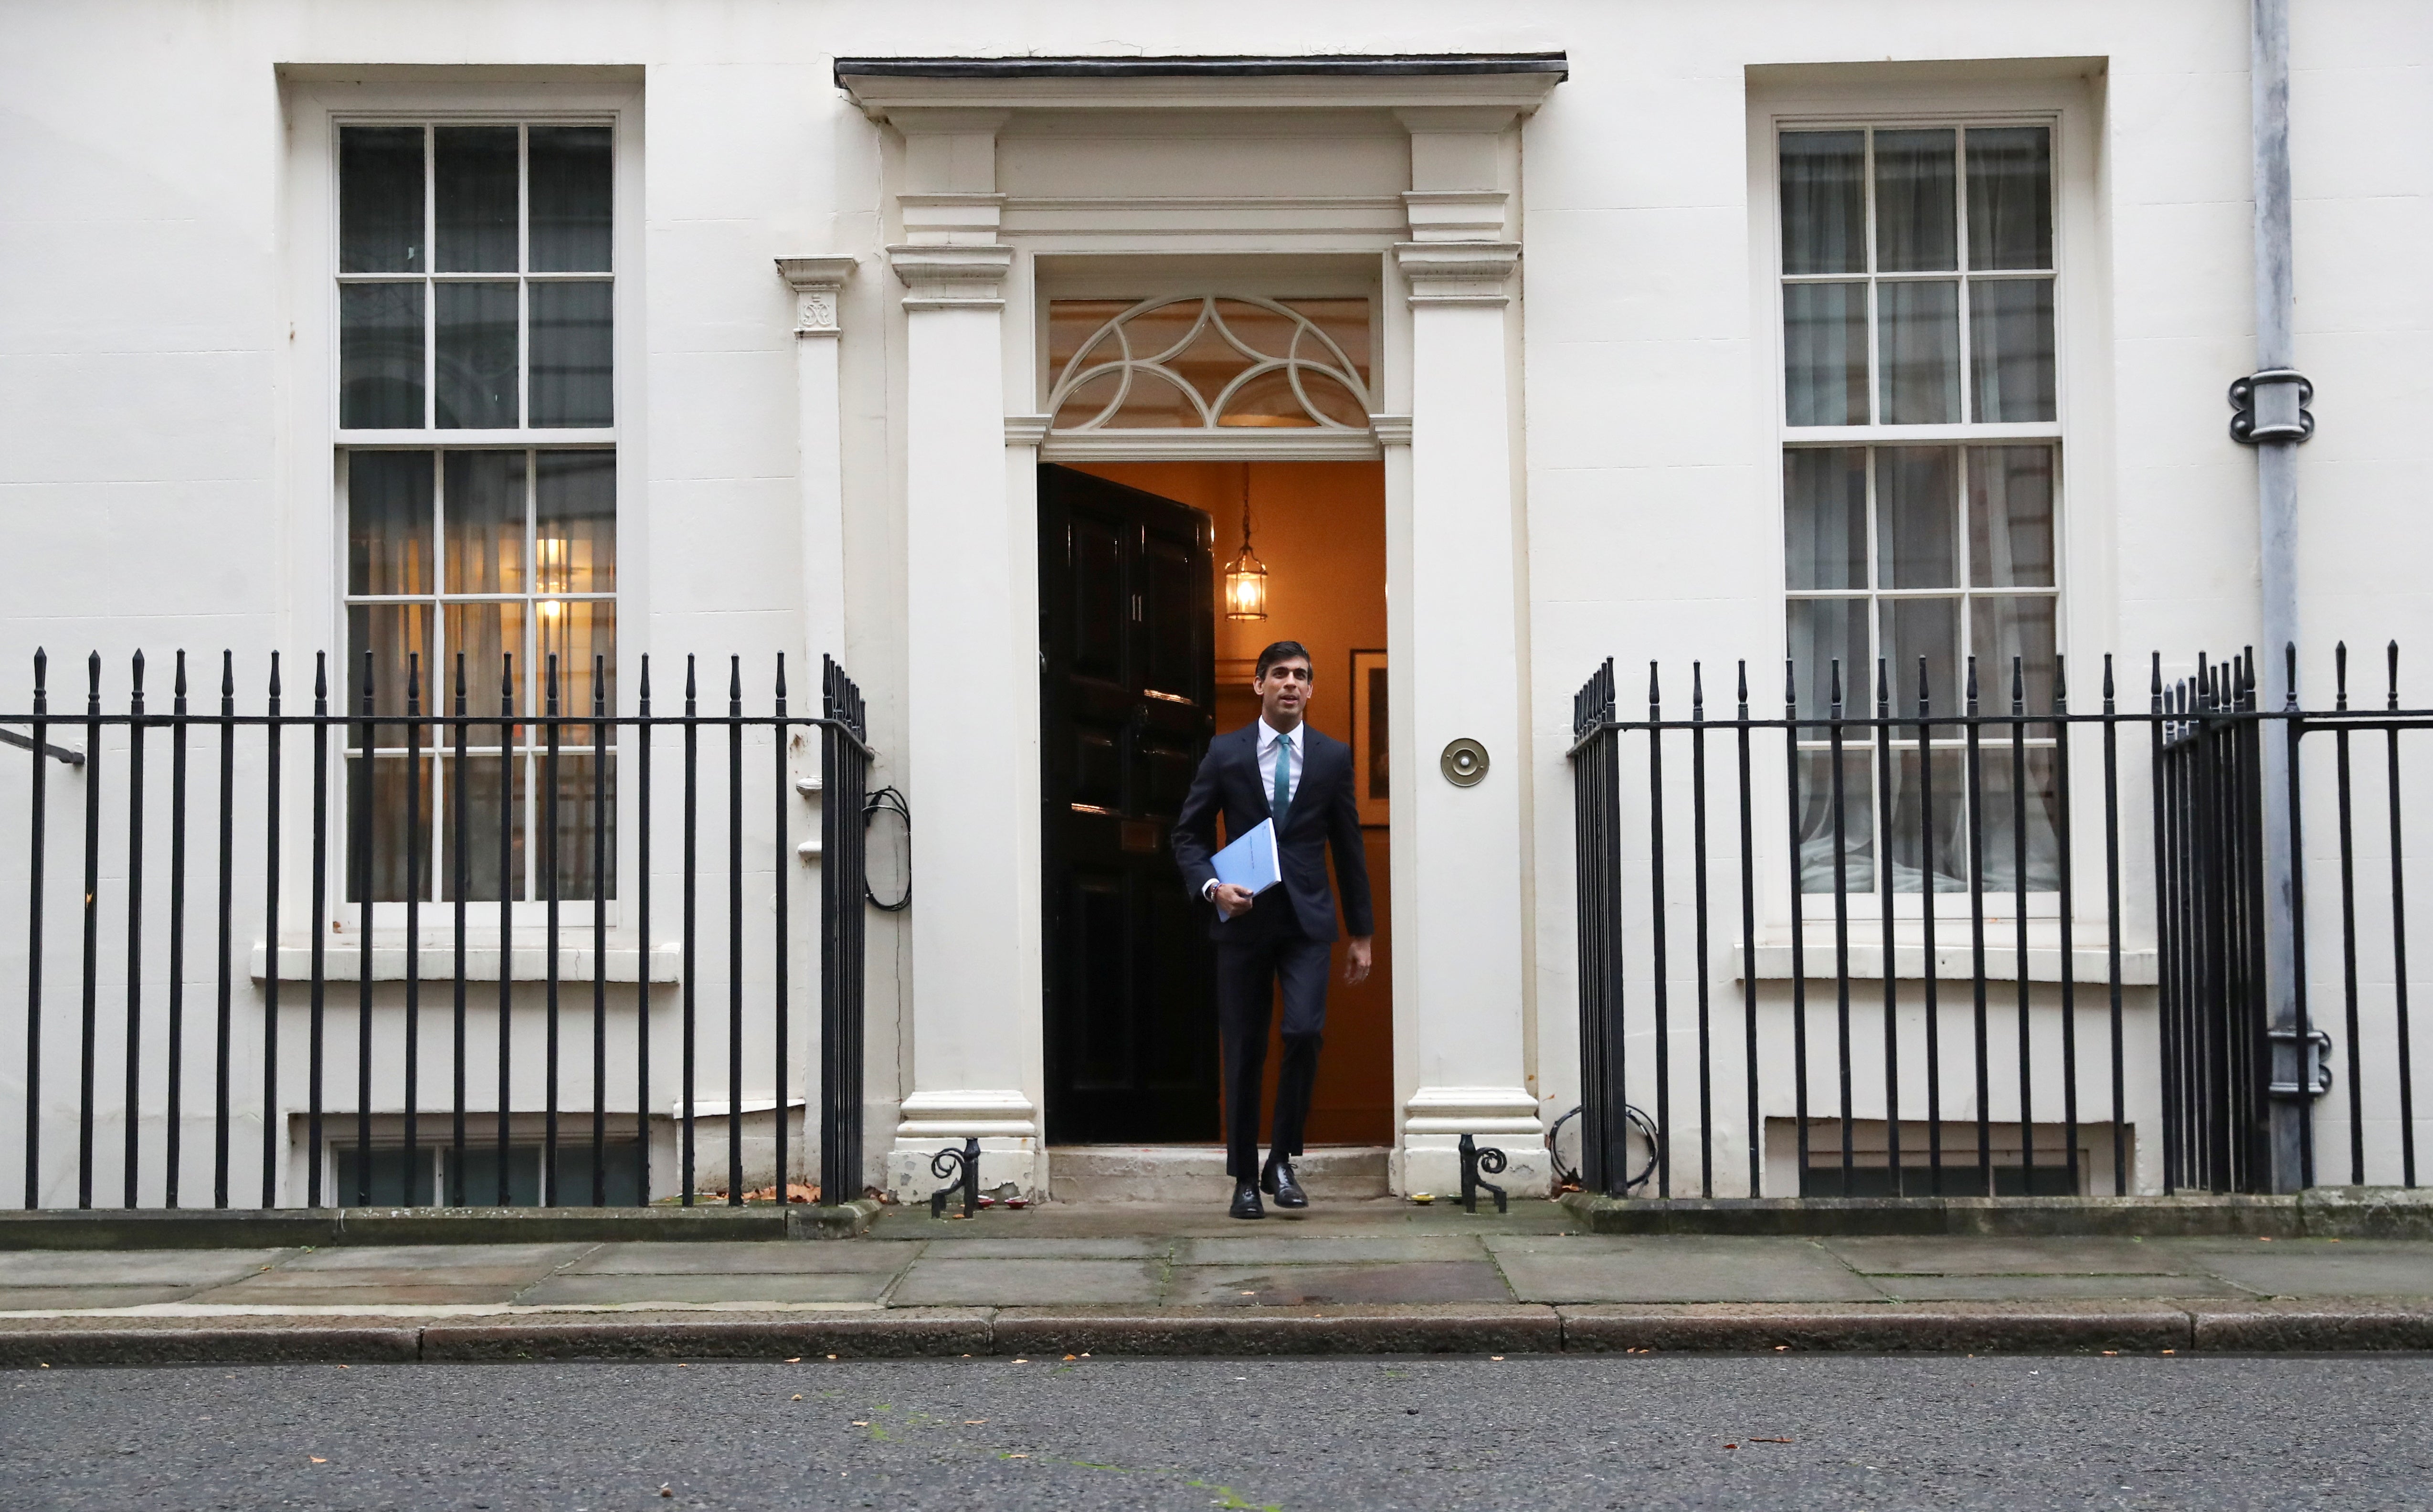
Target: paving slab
936,1282
1676,1268
536,1257
988,1247
629,1289
2034,1288
763,1258
48,1298
1941,1255
2058,1326
1468,1328
1424,1280
2319,1267
134,1267
413,1292
1327,1248
273,1285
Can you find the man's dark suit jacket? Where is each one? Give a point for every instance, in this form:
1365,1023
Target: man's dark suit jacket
1323,811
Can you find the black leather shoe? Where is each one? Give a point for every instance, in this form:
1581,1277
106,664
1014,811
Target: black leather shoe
1246,1202
1277,1180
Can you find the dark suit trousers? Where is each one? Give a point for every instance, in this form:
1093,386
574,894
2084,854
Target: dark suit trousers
1248,974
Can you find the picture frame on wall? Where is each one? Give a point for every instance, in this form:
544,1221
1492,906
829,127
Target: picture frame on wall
1372,773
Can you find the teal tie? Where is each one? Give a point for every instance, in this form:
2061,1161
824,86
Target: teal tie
1282,797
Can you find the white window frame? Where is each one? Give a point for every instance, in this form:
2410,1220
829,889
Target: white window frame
2053,92
319,100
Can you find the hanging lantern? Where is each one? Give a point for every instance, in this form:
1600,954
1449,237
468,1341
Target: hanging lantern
1245,576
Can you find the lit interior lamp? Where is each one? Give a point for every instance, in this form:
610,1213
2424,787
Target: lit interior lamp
1245,576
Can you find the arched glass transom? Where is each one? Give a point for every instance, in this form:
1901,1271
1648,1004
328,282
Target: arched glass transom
1212,361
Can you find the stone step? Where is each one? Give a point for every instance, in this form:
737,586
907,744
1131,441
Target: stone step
1189,1174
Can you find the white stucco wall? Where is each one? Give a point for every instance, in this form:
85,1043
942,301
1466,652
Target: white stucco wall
164,451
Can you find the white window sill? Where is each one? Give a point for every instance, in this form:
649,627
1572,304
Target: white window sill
343,963
2090,967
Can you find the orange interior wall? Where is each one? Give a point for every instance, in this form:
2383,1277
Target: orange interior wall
1320,529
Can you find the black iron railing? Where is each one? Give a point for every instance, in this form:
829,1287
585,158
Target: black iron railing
509,823
1951,964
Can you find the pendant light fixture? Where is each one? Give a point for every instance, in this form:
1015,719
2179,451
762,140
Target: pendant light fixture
1245,576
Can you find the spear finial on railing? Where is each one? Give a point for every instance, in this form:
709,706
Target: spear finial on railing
2061,683
92,683
2289,667
42,679
1744,686
135,685
1924,703
1655,696
2340,675
781,682
2107,682
2155,692
2391,654
227,679
2018,686
177,686
1972,685
1698,693
1884,691
1790,689
278,684
1836,664
645,695
734,685
320,680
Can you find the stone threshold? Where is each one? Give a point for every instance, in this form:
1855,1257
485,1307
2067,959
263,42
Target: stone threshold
1050,1335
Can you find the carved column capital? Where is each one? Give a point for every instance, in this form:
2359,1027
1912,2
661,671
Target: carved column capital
1457,272
952,277
817,283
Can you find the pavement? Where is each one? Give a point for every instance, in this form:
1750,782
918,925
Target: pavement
1341,1279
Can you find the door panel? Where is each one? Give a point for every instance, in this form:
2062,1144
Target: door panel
1127,701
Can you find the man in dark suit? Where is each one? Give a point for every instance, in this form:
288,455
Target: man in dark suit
1276,768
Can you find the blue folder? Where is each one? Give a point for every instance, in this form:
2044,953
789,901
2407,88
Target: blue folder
1250,861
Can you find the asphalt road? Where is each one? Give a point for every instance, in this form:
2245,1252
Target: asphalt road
1452,1432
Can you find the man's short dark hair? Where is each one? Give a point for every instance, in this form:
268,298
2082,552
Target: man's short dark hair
1286,651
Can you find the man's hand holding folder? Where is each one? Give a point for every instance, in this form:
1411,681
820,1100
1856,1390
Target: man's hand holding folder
1245,869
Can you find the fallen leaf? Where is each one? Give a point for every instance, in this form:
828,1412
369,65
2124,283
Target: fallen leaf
346,1368
1018,1456
797,1360
2170,1352
1731,1446
832,1356
316,1459
1769,1440
798,1396
1495,1356
861,1423
1781,1348
1249,1294
974,1422
1022,1362
1072,1356
2109,1352
665,1491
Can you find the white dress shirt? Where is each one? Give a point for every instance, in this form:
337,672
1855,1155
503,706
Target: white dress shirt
1269,738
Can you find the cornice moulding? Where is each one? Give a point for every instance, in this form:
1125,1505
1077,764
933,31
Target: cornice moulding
884,87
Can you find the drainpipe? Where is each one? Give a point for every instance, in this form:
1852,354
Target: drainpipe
2272,418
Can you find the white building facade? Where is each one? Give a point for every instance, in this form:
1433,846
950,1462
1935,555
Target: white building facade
1863,329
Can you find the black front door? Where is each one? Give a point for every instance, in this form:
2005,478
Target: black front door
1126,696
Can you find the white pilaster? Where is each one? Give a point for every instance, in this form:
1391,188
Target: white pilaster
818,283
1458,925
971,677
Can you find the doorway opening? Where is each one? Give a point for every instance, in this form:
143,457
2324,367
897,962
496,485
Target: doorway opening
1139,667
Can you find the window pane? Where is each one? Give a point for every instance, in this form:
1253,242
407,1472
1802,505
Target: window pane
387,797
474,182
1918,344
2010,197
575,827
1823,217
1917,516
491,790
388,522
485,521
1920,809
379,199
399,638
380,356
2034,782
1820,808
1825,518
1344,321
1928,629
1153,402
485,635
2001,628
1822,631
575,631
1918,220
571,367
572,196
1825,354
2011,516
2011,349
575,514
477,355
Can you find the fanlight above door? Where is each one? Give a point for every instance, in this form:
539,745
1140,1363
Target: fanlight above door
1209,362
